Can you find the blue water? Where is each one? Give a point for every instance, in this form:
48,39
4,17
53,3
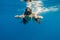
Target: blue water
11,29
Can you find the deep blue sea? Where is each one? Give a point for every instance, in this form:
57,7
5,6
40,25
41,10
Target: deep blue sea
12,29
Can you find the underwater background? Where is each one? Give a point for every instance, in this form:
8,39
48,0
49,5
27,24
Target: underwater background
12,29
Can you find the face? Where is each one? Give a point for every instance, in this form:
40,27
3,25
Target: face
28,9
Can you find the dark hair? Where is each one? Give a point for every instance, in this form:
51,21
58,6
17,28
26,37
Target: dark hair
26,0
27,12
28,8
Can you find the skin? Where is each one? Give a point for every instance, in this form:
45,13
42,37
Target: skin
28,9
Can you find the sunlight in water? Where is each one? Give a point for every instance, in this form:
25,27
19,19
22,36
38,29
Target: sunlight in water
37,7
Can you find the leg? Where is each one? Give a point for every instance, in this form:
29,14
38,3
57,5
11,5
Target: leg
37,20
24,21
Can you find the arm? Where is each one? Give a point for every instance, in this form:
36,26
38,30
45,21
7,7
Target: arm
19,16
